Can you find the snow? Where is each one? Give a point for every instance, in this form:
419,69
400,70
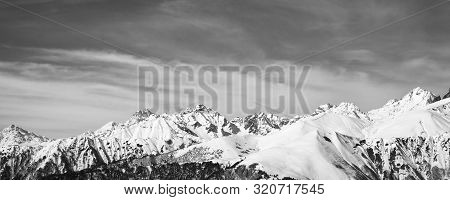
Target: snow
438,104
416,99
423,123
14,135
301,151
108,126
231,149
331,122
345,108
323,145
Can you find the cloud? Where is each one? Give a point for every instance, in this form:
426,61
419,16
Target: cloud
37,2
62,105
94,66
421,63
46,68
74,89
63,55
360,55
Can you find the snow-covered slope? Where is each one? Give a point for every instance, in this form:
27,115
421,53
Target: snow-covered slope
302,151
344,109
145,133
299,151
422,123
405,139
427,120
416,99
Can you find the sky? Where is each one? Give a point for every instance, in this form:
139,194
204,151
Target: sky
60,83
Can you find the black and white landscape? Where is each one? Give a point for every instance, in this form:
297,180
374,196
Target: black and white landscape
408,138
225,89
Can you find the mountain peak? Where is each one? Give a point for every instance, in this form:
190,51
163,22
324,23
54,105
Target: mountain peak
198,108
263,123
421,94
416,99
143,113
12,126
344,108
14,135
419,90
324,107
348,107
16,128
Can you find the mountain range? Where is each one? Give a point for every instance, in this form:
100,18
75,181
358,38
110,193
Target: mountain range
407,138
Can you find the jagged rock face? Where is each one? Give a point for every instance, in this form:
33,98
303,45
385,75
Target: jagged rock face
25,155
399,159
446,95
406,139
172,171
262,123
165,167
411,158
194,165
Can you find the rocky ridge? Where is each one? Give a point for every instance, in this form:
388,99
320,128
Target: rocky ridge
407,138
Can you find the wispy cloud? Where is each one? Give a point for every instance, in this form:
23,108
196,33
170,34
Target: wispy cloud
46,70
81,87
73,56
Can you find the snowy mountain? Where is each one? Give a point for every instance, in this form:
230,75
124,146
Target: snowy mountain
405,139
14,135
261,123
416,99
346,109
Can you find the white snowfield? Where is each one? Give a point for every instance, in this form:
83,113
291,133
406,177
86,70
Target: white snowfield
426,120
423,123
300,150
323,145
